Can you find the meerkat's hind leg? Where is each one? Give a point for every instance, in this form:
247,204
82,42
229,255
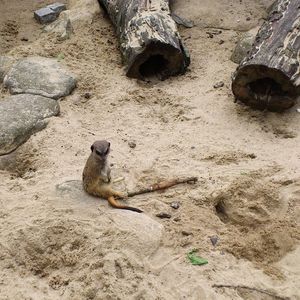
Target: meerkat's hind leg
120,195
107,191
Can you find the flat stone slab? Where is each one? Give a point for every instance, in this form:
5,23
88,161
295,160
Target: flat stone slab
138,233
39,76
21,116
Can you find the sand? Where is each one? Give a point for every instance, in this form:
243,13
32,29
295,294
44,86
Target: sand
57,246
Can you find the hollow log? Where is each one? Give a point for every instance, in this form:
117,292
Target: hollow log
269,76
149,41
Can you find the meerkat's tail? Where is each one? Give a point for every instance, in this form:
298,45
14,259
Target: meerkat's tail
112,201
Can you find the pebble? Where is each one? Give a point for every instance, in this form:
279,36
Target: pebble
186,233
219,84
49,13
132,144
163,215
214,240
87,95
175,205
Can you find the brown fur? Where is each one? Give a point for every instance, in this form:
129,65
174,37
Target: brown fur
96,176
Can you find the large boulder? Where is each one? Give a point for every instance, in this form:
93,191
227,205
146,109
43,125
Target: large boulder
40,76
244,45
21,116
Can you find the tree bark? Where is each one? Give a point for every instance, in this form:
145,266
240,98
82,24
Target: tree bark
149,41
269,77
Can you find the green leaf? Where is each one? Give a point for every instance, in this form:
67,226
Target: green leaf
195,259
60,56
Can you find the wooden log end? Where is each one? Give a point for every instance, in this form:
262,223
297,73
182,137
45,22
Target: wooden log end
158,60
264,88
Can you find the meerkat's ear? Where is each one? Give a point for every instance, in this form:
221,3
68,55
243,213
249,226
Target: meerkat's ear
92,148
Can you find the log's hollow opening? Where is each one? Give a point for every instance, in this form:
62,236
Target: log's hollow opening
267,93
155,65
266,87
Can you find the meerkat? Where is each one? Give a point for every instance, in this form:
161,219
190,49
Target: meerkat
96,176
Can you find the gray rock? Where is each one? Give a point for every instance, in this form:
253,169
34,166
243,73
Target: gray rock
39,76
45,15
21,116
214,239
50,13
175,205
74,190
218,84
138,233
5,64
164,215
61,27
132,144
182,21
57,7
243,45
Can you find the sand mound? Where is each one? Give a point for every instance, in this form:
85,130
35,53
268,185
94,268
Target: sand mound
260,226
59,243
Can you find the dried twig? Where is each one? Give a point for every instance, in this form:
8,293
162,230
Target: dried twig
163,185
251,289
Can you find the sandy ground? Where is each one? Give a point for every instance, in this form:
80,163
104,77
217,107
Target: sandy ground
248,164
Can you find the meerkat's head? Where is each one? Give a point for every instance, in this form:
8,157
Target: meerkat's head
100,150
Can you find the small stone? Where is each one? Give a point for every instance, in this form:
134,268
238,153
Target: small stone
87,95
219,84
163,215
50,13
252,156
298,110
175,205
45,15
132,144
221,42
209,35
248,19
24,39
186,233
182,21
214,240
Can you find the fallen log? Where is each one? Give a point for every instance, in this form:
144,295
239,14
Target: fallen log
149,41
269,77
